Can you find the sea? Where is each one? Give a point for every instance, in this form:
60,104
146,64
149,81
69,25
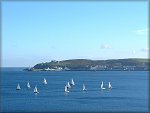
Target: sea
130,92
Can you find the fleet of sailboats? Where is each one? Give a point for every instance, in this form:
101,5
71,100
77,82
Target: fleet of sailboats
67,86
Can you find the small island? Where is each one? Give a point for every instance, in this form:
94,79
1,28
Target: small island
131,64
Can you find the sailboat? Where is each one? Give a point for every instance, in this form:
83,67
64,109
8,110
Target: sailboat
72,82
84,89
68,85
44,81
18,87
102,84
109,86
66,89
35,90
28,85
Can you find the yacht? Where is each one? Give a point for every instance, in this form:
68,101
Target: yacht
28,85
109,85
35,90
44,81
102,85
84,89
18,87
66,89
72,82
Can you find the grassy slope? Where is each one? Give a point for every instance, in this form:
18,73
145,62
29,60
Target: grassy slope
84,63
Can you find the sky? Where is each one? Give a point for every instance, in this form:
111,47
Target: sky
35,32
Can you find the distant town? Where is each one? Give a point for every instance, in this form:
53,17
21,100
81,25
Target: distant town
135,64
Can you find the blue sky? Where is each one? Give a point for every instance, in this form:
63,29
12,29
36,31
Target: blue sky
34,32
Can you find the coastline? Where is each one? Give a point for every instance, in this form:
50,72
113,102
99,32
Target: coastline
130,64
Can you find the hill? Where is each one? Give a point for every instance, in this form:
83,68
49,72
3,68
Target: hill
132,64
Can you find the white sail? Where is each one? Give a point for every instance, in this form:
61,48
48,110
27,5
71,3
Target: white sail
28,85
35,90
44,81
109,86
72,82
68,85
102,85
66,89
18,87
84,89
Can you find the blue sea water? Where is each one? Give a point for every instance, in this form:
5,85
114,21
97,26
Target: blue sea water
129,93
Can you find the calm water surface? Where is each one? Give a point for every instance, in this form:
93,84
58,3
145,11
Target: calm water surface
129,93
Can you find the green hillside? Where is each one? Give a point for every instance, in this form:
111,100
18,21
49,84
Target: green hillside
131,64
